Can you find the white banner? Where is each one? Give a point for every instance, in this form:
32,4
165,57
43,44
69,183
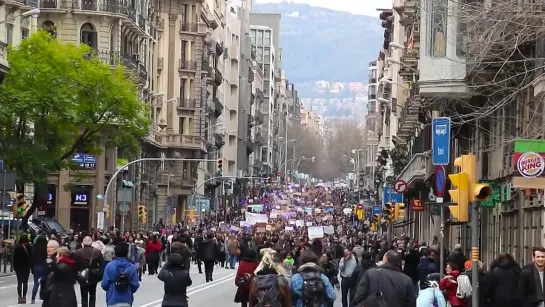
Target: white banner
315,232
254,218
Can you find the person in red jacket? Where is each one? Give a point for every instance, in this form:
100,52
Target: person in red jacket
449,284
245,274
153,248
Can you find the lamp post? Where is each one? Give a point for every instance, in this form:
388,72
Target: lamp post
168,191
285,145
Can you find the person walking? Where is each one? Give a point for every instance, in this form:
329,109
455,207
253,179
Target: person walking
89,260
39,268
22,263
62,280
176,279
120,279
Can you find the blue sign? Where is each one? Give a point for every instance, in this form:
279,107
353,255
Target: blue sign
203,204
1,164
440,181
85,161
392,197
440,141
377,210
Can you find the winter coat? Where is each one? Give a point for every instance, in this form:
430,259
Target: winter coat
428,296
176,280
22,257
153,249
208,250
449,286
111,274
425,267
245,267
296,287
60,284
501,283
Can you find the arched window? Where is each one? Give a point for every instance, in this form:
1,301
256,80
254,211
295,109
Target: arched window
89,35
49,26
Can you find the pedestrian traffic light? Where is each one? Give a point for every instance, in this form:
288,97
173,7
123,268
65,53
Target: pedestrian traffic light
387,212
20,207
220,166
468,188
399,212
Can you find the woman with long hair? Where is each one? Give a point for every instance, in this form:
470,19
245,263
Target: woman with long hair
270,283
39,258
245,274
22,263
176,279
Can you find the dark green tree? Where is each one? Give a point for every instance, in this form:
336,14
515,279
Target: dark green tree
58,99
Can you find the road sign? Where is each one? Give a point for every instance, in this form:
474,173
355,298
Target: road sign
440,140
1,164
376,210
440,181
400,186
389,196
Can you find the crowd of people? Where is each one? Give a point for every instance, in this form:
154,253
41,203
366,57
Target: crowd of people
291,248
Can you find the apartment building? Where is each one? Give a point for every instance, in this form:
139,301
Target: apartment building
424,59
373,115
247,104
266,58
259,113
118,33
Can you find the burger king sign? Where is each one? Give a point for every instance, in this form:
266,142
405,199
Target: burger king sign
530,164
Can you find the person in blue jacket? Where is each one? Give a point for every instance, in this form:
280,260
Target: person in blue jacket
309,270
431,296
120,279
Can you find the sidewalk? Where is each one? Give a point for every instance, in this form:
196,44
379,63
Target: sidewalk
8,271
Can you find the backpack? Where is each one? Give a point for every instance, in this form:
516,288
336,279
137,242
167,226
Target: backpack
267,291
122,281
464,289
313,288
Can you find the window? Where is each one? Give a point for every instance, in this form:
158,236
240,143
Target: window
24,33
267,55
50,28
372,91
252,36
89,35
267,40
439,9
9,33
182,122
259,55
182,89
372,76
266,88
184,48
266,70
260,38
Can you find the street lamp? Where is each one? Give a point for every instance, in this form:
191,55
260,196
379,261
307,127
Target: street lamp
168,191
285,145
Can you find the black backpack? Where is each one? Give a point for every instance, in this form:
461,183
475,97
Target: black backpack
313,288
267,291
122,281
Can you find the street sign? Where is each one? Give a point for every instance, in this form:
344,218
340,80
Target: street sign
377,210
440,140
389,196
400,186
1,164
440,181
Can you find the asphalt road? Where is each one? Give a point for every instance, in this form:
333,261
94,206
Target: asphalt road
220,292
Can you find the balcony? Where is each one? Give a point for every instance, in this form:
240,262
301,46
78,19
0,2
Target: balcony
189,27
187,104
417,170
219,49
112,7
259,139
408,119
210,107
250,146
130,61
187,65
185,141
218,106
218,77
219,139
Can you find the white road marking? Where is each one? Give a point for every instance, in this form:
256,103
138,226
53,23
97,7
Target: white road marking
196,289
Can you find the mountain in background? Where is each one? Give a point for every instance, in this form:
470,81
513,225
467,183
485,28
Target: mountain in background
322,44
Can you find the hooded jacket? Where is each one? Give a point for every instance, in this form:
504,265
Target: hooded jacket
113,270
296,287
176,280
61,282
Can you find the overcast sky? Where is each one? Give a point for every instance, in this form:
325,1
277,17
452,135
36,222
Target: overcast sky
364,7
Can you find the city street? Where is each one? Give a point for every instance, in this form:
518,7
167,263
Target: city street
219,292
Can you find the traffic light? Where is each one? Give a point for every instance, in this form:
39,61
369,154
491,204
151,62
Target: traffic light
220,166
399,212
140,212
269,179
144,215
468,188
388,212
107,211
20,207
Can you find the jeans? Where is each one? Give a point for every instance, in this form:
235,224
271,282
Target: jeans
346,289
38,273
22,281
232,260
88,295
